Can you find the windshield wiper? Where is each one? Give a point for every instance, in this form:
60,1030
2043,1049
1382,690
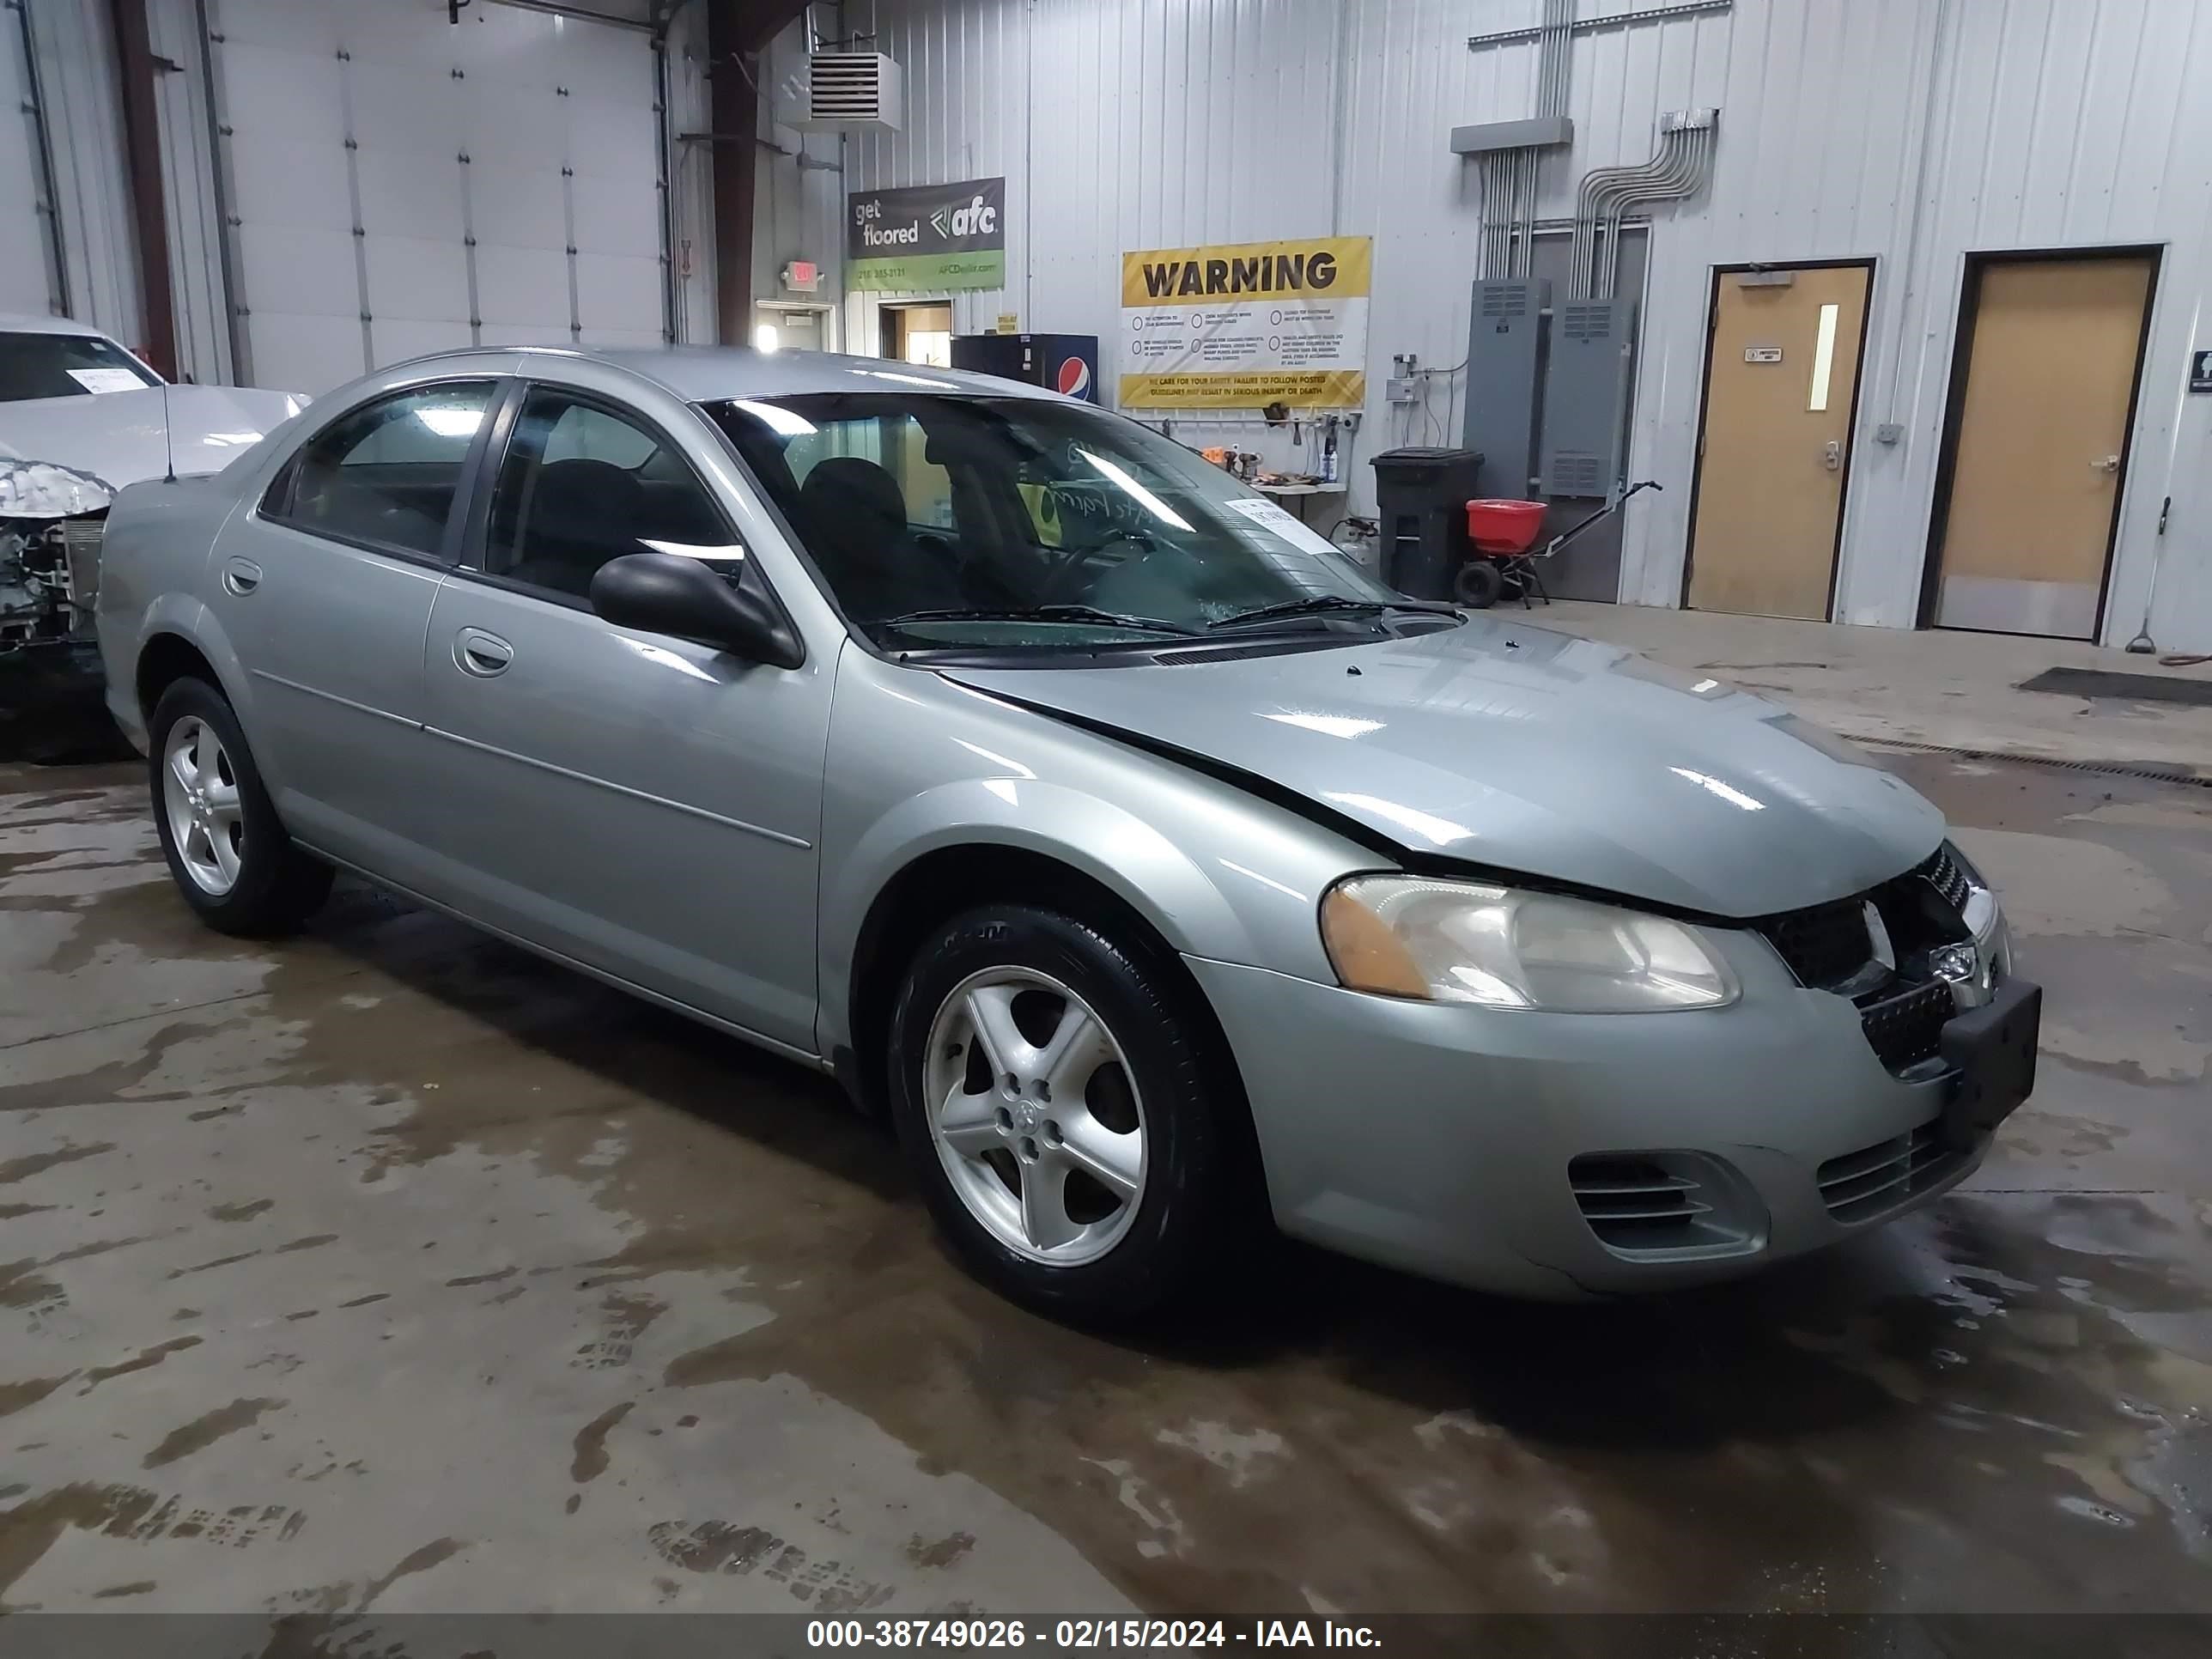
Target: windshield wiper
1069,613
1320,603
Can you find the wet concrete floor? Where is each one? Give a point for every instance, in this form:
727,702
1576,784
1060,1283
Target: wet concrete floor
392,1269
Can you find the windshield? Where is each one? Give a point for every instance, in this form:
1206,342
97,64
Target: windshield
1027,523
66,366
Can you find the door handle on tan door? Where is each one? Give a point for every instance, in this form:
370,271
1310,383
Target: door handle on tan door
481,654
1833,457
2109,464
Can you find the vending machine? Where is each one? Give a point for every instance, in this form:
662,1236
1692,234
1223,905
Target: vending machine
1065,363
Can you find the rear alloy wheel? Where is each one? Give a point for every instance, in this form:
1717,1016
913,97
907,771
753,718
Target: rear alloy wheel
199,794
226,847
1068,1112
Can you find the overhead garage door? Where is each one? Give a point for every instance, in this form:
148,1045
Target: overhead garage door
27,282
397,183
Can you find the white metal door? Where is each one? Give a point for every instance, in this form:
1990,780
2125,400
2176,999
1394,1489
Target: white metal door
397,183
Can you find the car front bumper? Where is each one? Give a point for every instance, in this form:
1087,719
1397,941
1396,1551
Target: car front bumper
1445,1139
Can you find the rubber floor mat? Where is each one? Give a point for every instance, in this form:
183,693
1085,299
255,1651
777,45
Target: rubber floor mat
2137,687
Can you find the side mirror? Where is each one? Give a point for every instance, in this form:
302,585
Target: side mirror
667,594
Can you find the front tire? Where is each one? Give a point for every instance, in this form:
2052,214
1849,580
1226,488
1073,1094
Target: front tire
1063,1110
227,852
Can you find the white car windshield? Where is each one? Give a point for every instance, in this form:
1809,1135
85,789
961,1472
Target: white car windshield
36,365
1031,524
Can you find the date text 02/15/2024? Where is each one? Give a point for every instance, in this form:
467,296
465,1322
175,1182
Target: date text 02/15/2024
1085,1635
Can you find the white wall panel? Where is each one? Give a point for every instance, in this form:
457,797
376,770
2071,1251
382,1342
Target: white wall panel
1912,132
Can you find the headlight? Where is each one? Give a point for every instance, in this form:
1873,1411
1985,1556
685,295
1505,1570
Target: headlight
41,490
1458,941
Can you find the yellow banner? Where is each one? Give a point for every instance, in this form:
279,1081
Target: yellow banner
1243,324
1338,267
1327,388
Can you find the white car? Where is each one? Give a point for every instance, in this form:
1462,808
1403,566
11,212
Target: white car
81,418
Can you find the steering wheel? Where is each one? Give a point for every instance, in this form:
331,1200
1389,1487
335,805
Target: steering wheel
1060,578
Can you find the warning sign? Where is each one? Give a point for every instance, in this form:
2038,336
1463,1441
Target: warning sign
1241,324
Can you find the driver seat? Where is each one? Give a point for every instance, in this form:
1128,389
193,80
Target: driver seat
853,517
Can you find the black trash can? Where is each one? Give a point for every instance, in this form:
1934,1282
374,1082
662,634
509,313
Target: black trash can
1421,496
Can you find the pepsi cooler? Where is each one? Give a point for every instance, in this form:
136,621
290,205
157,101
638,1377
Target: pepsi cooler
1065,363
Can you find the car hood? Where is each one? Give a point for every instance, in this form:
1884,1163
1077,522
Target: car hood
1520,749
118,437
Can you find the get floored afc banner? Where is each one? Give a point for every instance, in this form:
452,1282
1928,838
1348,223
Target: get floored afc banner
1247,323
928,236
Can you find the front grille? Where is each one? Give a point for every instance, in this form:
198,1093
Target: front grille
1827,945
1862,1185
1907,1029
1948,878
1824,945
1633,1204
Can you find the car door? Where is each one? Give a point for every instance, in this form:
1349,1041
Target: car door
646,804
325,589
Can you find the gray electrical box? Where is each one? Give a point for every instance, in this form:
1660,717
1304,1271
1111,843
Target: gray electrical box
1505,380
1586,386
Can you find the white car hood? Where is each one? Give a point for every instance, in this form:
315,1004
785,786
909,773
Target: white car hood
118,437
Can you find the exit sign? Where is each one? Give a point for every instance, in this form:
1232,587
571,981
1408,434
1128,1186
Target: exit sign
802,276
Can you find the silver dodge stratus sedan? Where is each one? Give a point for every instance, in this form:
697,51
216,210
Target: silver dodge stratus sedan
1157,869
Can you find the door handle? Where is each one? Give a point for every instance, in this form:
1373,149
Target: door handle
2109,464
482,654
1832,456
241,576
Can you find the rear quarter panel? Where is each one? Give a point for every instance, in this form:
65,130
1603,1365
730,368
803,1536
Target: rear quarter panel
154,564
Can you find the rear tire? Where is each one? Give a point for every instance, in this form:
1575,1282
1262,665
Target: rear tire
227,852
1106,1200
1480,584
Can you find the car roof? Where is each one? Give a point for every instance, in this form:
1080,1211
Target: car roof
712,373
24,322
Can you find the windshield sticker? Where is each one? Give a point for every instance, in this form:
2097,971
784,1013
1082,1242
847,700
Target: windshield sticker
1269,516
107,379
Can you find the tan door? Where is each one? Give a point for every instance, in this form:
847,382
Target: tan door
2036,480
1780,390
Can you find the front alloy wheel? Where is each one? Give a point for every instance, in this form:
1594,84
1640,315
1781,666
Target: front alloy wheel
1072,1113
1036,1119
207,818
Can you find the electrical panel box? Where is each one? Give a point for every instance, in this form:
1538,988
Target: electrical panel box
1586,388
1505,379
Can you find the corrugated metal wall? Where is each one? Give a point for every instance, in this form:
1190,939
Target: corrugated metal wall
1914,132
799,201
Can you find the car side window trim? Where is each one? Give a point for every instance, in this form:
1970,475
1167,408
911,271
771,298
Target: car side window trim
277,499
464,529
510,413
482,481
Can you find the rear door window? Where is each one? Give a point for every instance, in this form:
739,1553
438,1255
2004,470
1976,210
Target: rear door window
386,475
